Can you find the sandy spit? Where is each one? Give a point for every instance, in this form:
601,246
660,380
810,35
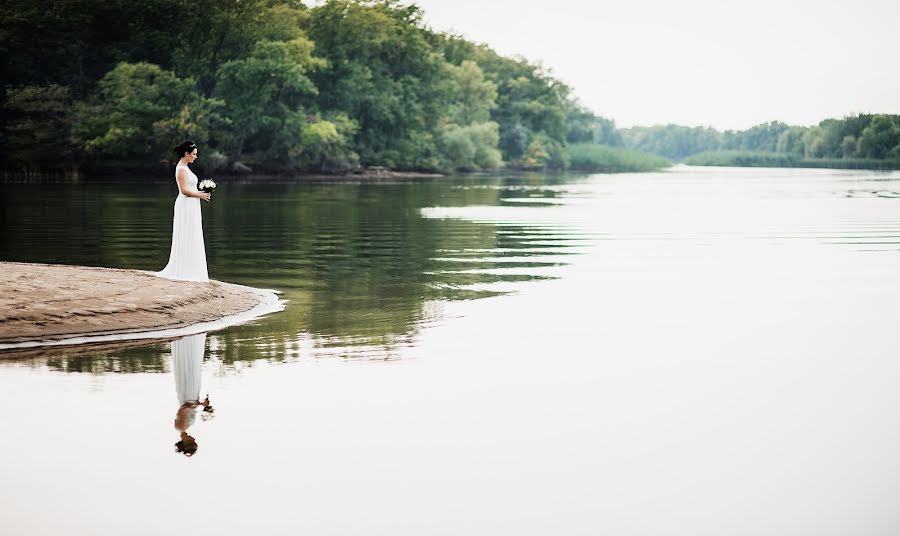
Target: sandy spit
60,304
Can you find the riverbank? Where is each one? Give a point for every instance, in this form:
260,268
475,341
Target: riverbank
783,160
595,158
75,176
52,305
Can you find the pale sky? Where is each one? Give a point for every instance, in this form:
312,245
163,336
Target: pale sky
713,63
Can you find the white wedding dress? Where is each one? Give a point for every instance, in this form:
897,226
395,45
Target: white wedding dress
187,261
187,364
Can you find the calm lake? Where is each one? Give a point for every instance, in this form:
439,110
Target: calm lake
701,351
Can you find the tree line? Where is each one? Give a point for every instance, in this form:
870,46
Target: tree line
861,136
272,85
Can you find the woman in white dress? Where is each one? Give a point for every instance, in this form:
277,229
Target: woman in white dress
187,261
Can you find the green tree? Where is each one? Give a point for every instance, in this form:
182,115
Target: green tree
382,73
530,101
790,141
544,152
266,96
879,138
675,142
473,96
584,126
581,123
848,146
36,132
140,110
606,133
229,31
276,83
534,101
814,143
762,137
835,132
514,141
470,148
326,144
75,42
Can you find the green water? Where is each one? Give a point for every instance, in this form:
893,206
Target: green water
696,351
356,263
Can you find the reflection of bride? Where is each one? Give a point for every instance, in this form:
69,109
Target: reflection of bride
187,364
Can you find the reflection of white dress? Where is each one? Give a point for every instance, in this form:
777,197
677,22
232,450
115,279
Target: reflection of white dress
187,260
187,363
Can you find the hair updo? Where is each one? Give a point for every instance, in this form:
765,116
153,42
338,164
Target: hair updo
184,148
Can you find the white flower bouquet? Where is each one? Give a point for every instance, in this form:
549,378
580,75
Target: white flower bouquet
206,185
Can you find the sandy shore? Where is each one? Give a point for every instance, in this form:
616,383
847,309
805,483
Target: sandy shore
59,304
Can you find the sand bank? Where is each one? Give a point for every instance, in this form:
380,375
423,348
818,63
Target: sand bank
52,305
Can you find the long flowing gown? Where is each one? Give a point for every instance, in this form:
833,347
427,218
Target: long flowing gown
187,364
187,260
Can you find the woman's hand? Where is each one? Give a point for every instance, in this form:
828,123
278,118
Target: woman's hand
206,196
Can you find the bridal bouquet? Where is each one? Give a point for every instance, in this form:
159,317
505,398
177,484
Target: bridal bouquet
206,185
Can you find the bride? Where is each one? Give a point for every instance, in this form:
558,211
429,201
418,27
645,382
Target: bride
187,261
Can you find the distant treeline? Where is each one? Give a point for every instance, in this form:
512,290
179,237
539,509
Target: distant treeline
865,140
275,85
770,159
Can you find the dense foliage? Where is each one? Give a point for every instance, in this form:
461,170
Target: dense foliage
854,141
276,85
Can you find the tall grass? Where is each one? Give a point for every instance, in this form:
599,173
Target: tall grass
606,159
763,159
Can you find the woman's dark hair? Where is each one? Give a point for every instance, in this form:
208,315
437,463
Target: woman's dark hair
188,448
184,148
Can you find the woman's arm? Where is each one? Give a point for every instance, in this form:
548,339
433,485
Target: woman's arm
195,403
185,188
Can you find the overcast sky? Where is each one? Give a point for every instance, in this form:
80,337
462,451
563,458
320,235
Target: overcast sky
713,63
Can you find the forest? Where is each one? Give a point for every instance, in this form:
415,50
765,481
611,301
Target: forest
856,141
277,86
280,86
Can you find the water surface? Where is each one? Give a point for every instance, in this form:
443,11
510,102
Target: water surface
698,351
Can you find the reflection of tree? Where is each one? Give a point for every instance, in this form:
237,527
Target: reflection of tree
360,265
126,357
